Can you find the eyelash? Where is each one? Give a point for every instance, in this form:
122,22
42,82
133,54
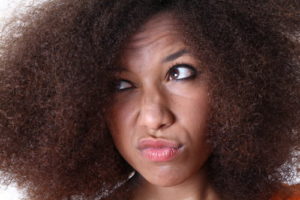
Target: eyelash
193,75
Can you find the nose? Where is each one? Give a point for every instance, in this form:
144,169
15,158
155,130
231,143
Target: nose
155,113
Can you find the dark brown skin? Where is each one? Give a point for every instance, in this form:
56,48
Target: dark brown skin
57,78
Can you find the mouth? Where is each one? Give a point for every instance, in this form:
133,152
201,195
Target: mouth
159,150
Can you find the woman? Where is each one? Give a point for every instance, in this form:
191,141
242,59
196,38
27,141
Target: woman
169,99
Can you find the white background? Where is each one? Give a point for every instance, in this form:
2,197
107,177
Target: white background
8,7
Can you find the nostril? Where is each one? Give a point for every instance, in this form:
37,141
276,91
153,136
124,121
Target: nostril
154,111
157,118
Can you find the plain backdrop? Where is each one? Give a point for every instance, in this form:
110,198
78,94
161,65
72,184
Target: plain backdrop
7,8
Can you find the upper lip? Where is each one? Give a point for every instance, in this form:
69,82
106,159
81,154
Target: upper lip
157,143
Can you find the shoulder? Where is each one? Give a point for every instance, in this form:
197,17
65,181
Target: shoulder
288,193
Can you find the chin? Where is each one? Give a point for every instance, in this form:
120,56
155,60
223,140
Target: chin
165,179
164,183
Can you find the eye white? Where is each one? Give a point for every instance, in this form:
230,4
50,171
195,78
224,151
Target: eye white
181,72
184,72
122,84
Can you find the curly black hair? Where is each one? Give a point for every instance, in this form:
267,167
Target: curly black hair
57,66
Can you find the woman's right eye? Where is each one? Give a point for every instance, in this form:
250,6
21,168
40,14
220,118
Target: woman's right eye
122,85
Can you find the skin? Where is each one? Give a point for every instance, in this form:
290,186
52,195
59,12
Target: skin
163,94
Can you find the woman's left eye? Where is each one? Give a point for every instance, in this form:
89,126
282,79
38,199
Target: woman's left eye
122,85
181,72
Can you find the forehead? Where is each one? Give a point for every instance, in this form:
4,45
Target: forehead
163,26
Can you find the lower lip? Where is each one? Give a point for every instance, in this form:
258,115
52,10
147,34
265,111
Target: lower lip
160,154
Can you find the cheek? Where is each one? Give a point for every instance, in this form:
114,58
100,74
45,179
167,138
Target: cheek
121,123
192,105
193,115
121,113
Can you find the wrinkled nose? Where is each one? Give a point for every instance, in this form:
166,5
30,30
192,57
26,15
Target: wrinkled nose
155,113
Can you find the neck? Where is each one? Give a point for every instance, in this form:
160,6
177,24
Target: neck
196,187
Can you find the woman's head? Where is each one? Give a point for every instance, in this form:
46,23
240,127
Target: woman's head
59,77
161,95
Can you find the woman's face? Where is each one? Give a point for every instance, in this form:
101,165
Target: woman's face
158,116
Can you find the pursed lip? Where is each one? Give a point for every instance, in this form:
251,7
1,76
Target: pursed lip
159,150
157,143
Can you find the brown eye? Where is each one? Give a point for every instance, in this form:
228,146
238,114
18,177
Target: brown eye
181,72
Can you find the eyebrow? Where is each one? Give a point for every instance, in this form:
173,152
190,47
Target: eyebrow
169,58
175,55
